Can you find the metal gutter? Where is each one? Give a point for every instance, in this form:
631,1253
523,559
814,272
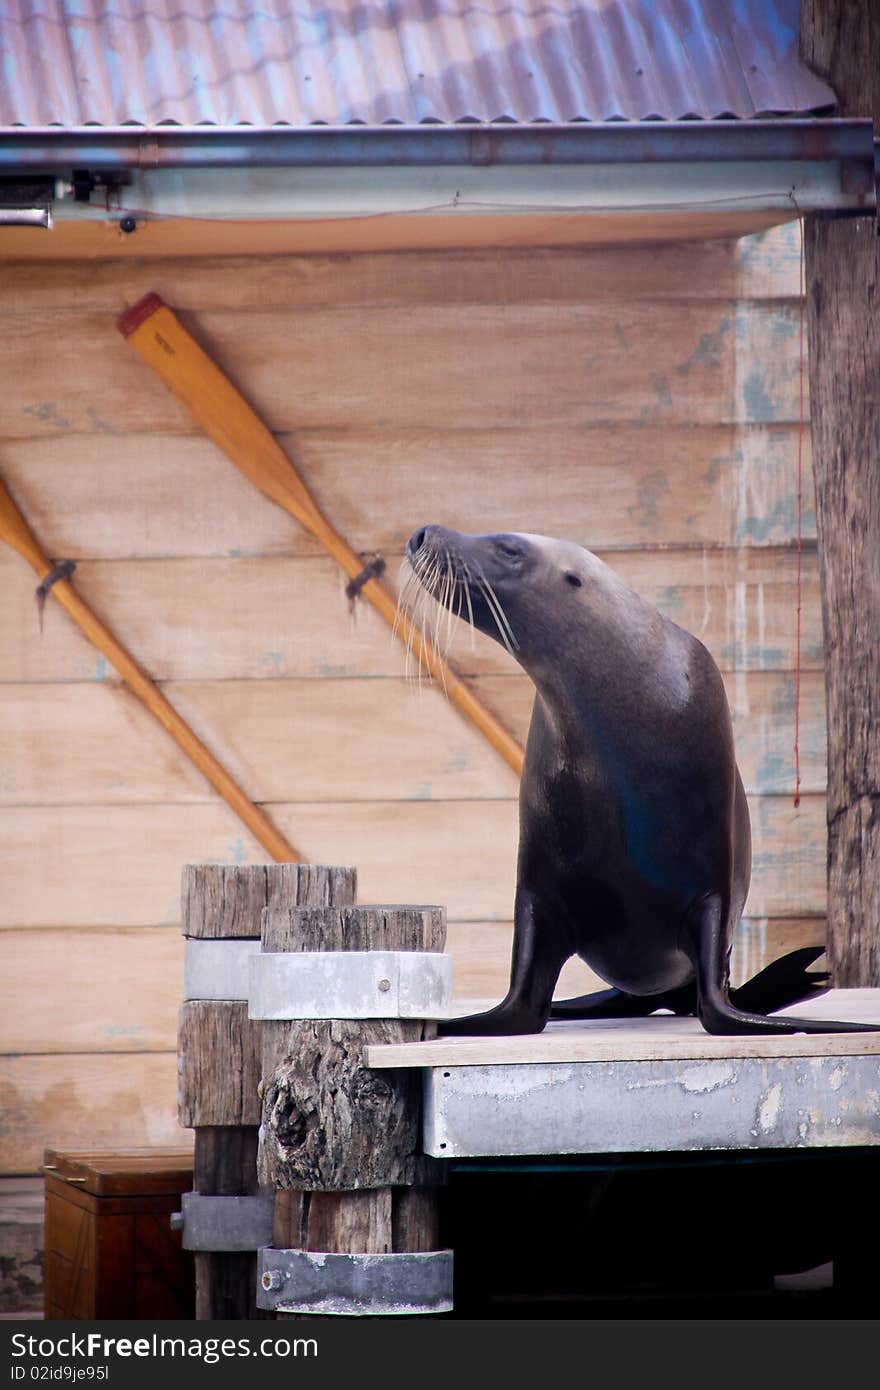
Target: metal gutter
105,149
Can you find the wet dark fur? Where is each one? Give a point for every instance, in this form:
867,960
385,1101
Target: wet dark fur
634,845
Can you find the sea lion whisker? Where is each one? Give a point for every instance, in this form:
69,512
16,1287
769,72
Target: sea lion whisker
448,595
411,590
408,583
415,634
499,607
440,617
498,614
419,629
467,594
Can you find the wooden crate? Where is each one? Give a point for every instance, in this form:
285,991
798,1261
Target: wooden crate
110,1250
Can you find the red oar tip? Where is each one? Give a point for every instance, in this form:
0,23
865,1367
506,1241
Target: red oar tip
135,316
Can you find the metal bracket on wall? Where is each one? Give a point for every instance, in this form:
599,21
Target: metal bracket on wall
307,1281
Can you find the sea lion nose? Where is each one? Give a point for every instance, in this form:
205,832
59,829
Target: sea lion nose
418,538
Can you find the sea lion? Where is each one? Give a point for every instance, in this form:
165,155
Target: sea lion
634,849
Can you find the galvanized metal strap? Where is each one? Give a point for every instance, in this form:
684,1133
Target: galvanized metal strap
225,1223
349,984
308,1281
217,969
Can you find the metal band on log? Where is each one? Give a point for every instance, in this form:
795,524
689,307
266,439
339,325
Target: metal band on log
219,1050
217,969
348,984
341,1144
356,1285
226,1223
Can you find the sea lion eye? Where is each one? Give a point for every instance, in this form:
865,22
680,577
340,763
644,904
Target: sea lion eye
573,579
511,551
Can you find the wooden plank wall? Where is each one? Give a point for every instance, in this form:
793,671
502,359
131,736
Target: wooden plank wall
641,401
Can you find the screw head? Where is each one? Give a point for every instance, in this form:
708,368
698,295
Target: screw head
127,224
175,1221
384,985
272,1279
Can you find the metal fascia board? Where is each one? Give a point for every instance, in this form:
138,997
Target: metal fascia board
637,1107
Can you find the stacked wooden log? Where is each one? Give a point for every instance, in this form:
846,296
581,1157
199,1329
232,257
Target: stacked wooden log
311,1194
355,1203
220,1052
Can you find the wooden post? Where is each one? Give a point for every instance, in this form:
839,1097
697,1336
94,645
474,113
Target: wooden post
341,1144
840,40
219,1052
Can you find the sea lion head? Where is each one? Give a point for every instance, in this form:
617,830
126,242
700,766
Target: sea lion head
520,589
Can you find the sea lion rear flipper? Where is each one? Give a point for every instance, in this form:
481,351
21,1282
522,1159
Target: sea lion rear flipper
604,1003
783,982
705,928
616,1003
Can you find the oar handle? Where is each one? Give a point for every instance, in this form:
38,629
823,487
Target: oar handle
159,337
15,531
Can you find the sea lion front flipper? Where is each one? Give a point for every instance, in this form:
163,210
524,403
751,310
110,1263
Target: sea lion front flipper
541,946
705,929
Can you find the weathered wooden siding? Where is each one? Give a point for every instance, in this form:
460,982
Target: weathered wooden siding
643,402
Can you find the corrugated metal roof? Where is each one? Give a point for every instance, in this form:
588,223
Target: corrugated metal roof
304,62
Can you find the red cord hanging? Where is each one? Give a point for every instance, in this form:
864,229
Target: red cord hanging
800,508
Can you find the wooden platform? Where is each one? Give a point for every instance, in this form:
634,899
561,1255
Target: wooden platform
658,1084
644,1039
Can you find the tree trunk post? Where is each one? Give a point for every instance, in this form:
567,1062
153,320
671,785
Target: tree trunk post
840,40
220,1065
356,1229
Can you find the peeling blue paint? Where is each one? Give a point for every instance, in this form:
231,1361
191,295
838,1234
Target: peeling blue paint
782,521
722,464
775,773
738,656
48,413
783,698
123,1031
98,423
759,406
669,598
272,661
237,852
649,492
753,249
101,669
709,349
782,327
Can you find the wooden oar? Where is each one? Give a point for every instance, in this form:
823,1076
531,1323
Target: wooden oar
16,532
223,413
